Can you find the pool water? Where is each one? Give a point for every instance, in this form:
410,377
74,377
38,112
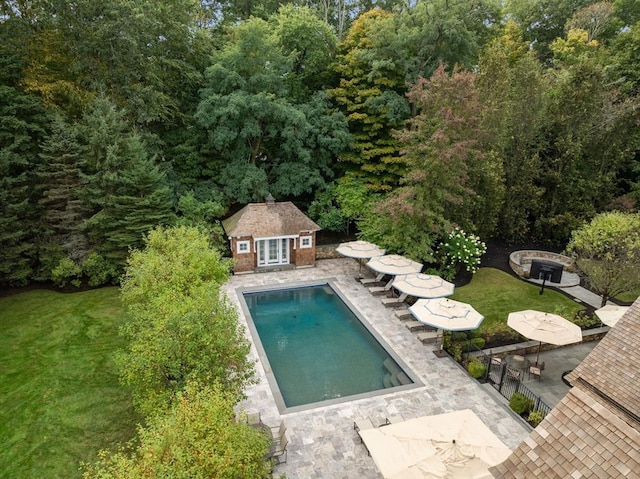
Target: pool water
317,348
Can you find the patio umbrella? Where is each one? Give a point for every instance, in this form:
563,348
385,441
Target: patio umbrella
359,250
447,314
544,327
454,445
423,285
394,264
611,313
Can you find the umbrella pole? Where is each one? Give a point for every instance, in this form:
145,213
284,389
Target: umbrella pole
538,356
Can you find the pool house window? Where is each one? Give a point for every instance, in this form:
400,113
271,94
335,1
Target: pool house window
243,247
305,241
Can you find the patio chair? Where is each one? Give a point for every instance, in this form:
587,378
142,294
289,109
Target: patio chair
279,455
535,372
393,420
363,424
254,420
277,433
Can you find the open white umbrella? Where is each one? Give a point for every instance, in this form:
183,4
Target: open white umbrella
544,327
611,313
421,285
447,314
394,264
359,250
454,445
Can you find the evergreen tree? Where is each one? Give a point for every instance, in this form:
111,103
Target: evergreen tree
63,209
22,121
126,190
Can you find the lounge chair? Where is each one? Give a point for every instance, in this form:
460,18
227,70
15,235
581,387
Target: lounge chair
377,279
428,336
415,325
376,290
403,314
394,301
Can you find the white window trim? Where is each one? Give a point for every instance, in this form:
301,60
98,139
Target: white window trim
246,244
303,239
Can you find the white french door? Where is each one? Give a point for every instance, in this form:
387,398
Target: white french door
273,251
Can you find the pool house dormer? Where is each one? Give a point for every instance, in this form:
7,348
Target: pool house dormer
264,236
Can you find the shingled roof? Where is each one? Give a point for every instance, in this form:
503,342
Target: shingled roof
263,220
594,432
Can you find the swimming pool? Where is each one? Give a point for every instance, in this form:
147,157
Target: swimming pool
317,349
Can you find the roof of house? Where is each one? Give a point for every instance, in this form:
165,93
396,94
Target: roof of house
263,220
594,431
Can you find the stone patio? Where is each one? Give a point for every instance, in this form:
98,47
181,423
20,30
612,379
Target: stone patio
323,443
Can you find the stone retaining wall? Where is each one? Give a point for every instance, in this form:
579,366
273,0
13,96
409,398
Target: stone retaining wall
520,261
531,347
327,251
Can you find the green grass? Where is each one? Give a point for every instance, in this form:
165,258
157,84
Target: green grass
60,399
495,294
629,297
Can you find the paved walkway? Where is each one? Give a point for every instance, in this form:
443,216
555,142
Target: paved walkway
323,443
570,285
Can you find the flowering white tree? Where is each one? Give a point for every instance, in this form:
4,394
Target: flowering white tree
462,250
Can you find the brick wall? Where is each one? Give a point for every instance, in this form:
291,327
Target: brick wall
245,261
305,256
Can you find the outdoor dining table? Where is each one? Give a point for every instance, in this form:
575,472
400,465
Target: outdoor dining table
518,362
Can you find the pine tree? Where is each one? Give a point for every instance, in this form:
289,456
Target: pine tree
60,184
22,121
124,187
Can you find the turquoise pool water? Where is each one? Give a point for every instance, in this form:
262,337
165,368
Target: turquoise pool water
317,348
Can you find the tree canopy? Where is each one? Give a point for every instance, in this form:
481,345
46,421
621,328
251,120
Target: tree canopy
183,111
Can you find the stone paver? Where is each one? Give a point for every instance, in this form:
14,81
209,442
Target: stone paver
323,443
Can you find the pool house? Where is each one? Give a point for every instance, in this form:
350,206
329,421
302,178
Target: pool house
271,235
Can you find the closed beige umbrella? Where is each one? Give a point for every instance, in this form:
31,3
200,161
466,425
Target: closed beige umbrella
456,445
544,327
359,250
611,313
421,285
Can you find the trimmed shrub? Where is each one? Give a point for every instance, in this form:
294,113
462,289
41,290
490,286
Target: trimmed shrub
520,403
535,418
476,369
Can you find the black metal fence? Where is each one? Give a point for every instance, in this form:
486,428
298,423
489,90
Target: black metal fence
506,380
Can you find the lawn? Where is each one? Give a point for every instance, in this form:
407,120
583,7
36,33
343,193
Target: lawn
630,296
60,400
495,294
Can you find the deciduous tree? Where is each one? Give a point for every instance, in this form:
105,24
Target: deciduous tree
198,437
607,250
182,327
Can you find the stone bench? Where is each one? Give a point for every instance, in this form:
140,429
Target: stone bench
520,261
